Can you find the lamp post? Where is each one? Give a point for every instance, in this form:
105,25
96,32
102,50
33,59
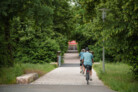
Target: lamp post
103,17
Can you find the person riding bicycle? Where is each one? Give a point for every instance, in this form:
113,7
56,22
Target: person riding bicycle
88,60
81,57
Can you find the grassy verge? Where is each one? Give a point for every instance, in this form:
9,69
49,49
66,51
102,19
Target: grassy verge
8,75
118,77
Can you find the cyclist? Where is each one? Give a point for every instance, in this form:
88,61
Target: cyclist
88,60
81,56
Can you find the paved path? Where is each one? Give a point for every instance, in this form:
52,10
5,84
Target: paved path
63,79
68,74
53,88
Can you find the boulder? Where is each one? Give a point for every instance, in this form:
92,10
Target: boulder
26,78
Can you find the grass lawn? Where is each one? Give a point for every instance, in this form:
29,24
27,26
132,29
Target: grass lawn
118,76
8,75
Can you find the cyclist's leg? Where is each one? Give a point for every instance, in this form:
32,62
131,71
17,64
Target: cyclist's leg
90,72
84,66
80,66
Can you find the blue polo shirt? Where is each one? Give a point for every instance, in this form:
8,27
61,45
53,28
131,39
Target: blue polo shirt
87,58
81,55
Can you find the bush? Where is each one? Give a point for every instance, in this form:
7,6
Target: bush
97,52
38,53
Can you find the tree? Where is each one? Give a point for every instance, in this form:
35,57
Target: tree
119,31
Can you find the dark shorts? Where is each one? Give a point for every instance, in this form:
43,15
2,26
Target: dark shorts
90,68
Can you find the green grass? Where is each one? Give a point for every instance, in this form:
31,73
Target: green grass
8,75
118,76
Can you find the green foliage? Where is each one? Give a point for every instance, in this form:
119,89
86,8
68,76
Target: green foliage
44,52
62,23
97,52
118,77
32,31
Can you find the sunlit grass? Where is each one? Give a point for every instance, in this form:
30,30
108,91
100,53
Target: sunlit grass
8,75
118,76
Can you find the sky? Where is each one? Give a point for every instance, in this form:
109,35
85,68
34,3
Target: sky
72,3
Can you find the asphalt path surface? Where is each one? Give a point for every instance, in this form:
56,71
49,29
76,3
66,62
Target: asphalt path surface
53,88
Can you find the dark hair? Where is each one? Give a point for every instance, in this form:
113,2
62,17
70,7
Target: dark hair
86,49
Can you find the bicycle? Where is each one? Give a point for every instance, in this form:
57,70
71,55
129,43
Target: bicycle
87,73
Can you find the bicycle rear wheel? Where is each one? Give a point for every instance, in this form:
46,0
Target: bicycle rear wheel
87,82
87,77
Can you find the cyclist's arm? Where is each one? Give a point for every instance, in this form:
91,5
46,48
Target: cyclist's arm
92,58
80,54
92,61
82,60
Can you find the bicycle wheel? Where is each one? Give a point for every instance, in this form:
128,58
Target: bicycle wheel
87,82
87,77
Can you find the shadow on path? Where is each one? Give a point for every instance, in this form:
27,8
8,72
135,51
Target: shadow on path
70,65
54,88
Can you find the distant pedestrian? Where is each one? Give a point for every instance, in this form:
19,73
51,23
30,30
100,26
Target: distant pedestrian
81,57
